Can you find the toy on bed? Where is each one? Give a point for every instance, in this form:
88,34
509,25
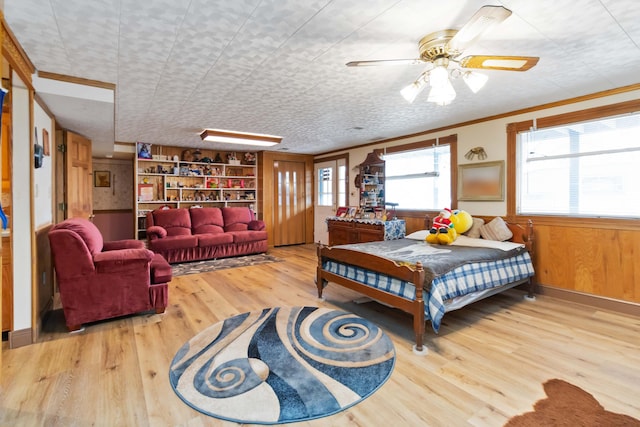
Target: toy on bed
448,225
442,229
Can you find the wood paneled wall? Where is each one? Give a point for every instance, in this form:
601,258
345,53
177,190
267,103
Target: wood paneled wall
588,258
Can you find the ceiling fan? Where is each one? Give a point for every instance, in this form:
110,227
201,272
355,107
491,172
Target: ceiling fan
442,52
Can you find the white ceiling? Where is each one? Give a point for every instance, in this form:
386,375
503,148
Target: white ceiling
278,66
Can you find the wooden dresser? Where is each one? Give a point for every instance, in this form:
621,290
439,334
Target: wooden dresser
343,232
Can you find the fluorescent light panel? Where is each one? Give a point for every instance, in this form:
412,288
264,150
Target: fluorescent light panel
232,137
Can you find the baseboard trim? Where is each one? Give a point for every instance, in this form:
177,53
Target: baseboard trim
619,306
20,338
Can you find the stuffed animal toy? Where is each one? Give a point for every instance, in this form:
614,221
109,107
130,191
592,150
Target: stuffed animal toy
442,230
462,221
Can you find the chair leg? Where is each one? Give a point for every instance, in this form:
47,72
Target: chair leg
160,310
74,328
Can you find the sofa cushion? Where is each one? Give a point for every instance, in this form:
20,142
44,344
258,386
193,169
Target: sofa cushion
206,220
236,218
173,242
177,222
205,240
257,224
248,236
87,232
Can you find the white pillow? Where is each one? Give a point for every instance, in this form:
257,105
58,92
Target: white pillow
474,231
418,235
496,229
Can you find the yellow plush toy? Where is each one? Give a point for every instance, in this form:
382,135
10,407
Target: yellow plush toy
462,221
448,225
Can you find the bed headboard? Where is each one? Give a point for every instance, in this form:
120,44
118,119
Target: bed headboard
521,233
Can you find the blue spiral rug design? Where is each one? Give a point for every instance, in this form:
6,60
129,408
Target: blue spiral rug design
282,365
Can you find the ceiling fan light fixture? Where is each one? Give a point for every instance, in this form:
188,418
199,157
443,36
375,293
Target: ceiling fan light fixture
474,80
233,137
439,77
442,92
410,92
442,95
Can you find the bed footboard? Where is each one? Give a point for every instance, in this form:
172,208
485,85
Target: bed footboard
413,274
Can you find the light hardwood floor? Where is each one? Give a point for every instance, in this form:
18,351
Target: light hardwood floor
486,365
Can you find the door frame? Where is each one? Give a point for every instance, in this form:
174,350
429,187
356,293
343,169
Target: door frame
320,213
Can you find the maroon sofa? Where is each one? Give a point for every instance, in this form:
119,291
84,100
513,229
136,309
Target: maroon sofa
193,234
99,280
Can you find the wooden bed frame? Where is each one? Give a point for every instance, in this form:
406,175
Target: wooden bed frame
406,273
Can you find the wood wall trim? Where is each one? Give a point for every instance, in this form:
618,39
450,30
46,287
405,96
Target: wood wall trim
330,158
46,109
20,338
618,306
77,80
15,55
569,101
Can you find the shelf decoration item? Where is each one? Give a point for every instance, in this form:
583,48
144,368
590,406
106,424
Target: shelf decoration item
371,185
144,150
169,180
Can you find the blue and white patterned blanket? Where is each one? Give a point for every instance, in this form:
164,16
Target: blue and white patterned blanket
450,271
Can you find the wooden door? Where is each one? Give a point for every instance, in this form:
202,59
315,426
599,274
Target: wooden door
78,177
289,210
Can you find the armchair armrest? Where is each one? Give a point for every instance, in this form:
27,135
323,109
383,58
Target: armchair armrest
256,224
156,232
121,259
123,244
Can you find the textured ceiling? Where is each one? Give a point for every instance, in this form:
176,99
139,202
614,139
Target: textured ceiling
278,66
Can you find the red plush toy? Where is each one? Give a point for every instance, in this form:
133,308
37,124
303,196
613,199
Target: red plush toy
442,230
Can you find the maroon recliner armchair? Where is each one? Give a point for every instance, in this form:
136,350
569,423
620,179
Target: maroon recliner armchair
100,280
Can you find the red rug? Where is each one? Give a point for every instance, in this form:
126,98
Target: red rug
568,405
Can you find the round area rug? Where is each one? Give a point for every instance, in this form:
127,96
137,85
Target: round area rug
281,365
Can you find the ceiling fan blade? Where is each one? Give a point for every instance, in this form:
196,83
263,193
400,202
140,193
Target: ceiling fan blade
482,21
384,62
507,63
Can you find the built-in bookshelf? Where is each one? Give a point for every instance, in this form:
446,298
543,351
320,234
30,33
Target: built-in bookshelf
167,181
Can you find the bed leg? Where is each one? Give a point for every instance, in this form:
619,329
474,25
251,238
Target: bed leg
530,296
320,283
418,328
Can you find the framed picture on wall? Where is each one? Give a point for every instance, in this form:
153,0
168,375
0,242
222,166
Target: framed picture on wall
45,142
102,179
481,181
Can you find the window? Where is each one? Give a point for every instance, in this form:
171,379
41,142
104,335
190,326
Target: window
325,187
588,169
330,186
419,179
